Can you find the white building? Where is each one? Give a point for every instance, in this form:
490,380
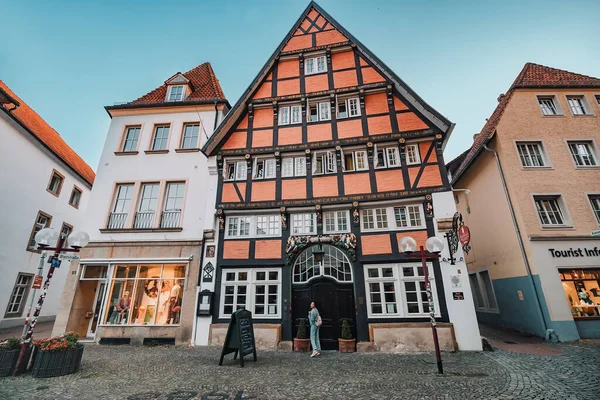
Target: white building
45,184
139,276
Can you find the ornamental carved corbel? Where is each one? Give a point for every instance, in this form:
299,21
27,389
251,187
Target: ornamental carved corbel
278,163
402,143
361,97
221,220
390,94
370,153
338,157
428,207
308,162
220,164
355,214
283,219
438,145
319,213
250,112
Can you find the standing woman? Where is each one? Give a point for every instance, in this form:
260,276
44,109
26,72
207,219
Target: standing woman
313,317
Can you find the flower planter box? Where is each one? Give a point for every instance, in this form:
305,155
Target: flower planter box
347,345
47,364
301,345
8,361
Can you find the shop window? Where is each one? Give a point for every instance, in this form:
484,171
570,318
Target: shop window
398,290
150,294
582,289
257,290
483,291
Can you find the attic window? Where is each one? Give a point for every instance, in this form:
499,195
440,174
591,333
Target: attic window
175,93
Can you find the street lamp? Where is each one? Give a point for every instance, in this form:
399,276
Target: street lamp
45,239
434,247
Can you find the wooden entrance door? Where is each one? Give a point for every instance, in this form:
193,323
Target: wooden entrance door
335,302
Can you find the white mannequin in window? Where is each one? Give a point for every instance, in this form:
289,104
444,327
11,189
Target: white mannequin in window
174,303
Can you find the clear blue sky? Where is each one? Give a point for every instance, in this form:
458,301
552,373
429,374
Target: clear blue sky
68,59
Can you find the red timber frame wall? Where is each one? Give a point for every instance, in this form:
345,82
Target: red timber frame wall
390,114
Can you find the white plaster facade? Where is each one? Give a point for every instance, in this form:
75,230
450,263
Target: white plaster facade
27,167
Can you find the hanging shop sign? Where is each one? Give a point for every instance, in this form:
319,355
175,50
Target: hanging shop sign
464,235
240,337
37,282
68,257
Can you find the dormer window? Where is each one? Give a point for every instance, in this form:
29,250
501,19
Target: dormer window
175,93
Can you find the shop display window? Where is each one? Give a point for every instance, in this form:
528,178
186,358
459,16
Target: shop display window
582,288
147,294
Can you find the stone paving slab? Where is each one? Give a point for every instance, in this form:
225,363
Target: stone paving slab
180,373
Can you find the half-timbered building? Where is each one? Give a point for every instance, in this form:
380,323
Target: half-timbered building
326,161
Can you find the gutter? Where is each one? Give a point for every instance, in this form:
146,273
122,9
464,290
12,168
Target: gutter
549,332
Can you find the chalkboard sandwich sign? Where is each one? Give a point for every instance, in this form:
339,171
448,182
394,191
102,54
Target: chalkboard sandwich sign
240,337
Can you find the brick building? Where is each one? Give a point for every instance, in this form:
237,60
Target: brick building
324,164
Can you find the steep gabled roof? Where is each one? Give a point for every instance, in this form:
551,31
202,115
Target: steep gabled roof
531,76
36,126
417,102
204,85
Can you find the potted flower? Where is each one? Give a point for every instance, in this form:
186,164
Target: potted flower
60,355
301,341
346,343
9,353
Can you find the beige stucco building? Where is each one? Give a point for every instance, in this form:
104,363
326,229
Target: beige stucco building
529,190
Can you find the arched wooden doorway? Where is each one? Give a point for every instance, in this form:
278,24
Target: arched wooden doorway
329,284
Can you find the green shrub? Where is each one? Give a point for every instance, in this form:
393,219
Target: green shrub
346,329
10,344
301,333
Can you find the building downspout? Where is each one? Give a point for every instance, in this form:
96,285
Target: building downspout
549,332
216,117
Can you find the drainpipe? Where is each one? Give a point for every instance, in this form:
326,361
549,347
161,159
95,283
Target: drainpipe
549,332
216,117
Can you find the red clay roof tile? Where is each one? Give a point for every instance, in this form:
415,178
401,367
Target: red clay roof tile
47,135
204,86
531,76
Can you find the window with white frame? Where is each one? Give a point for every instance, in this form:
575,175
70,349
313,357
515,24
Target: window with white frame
257,290
132,136
531,154
123,199
264,168
348,107
319,111
189,139
583,153
268,225
548,105
595,202
387,156
549,210
161,137
413,155
293,166
408,216
577,105
246,226
324,162
290,115
174,197
355,160
598,101
392,218
18,296
336,221
483,292
238,226
235,170
42,220
176,93
304,224
398,290
315,65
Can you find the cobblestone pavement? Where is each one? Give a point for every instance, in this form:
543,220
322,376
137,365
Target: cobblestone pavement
179,373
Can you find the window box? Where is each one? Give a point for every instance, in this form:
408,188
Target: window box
8,361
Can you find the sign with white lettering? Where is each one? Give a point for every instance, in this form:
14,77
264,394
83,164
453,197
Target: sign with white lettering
464,235
68,257
37,282
578,252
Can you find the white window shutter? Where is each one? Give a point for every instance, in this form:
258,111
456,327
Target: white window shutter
300,166
288,167
314,163
254,168
241,172
331,167
343,159
270,169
